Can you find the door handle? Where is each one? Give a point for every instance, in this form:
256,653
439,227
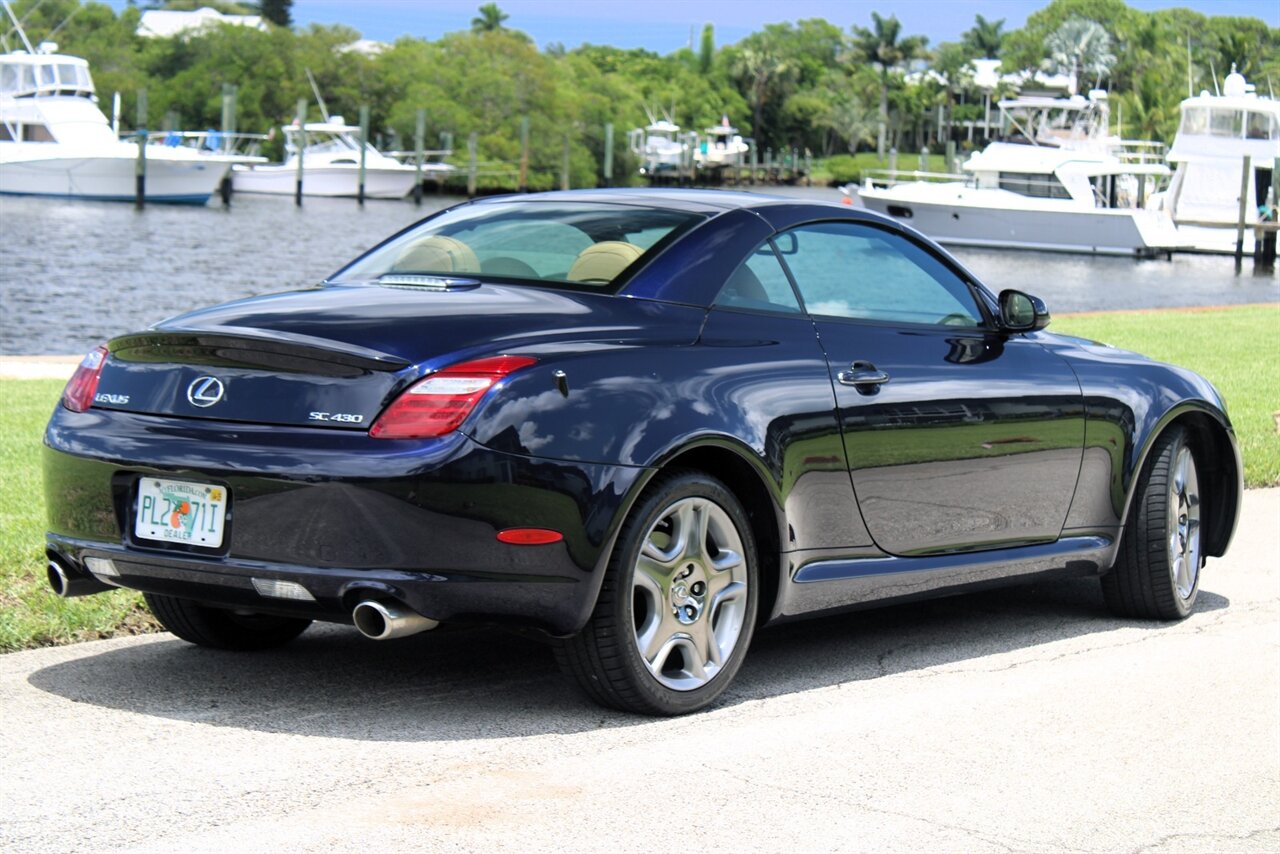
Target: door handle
862,374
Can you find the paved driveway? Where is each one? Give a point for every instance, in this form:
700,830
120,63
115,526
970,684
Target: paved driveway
1023,720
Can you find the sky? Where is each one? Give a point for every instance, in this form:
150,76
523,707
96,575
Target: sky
664,25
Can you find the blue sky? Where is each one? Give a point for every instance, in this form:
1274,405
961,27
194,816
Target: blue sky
664,25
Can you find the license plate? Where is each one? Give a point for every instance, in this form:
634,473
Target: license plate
182,512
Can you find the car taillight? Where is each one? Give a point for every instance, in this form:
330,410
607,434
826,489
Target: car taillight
83,385
438,404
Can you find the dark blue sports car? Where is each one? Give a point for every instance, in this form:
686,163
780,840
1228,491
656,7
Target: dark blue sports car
644,423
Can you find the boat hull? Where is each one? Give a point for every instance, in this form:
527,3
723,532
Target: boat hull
1093,231
331,181
111,178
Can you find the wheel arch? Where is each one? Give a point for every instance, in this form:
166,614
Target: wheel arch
1218,463
747,477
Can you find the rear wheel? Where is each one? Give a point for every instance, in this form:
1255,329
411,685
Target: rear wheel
678,604
1157,575
223,629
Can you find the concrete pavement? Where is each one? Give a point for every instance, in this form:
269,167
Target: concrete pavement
1020,720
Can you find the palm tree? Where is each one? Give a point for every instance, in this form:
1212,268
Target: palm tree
758,64
1080,46
852,121
882,47
489,20
984,39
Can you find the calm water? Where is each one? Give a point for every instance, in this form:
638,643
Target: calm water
73,274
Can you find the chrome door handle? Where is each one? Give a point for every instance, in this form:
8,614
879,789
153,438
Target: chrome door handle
862,373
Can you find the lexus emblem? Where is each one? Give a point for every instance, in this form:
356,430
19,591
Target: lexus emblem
205,391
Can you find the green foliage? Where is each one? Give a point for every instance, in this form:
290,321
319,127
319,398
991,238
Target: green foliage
490,19
277,12
807,84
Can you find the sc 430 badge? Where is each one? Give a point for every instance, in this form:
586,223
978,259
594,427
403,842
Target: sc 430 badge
338,417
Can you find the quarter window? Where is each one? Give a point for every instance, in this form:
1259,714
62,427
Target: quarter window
856,271
759,283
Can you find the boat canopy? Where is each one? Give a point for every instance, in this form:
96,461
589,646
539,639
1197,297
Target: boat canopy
26,75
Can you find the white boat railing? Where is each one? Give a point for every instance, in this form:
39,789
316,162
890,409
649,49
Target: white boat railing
212,141
1142,152
883,178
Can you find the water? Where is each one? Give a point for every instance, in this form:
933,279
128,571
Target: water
73,274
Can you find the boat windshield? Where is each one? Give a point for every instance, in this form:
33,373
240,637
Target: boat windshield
38,75
555,244
1228,122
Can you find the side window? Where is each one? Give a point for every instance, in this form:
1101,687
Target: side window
849,270
759,283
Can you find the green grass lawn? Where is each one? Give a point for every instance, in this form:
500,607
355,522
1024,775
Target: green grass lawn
1237,348
30,615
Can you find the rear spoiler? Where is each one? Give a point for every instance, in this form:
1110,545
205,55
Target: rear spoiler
231,346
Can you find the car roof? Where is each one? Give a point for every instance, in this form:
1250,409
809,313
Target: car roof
700,201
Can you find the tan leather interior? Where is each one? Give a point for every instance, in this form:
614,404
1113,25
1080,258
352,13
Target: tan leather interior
437,254
603,261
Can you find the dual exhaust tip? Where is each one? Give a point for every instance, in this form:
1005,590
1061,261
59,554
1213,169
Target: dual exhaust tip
374,619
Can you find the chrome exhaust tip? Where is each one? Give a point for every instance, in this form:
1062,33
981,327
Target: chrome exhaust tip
383,621
58,581
68,583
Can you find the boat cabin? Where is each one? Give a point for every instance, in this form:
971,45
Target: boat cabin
26,75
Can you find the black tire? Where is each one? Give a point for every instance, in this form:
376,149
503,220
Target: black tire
605,657
222,629
1146,581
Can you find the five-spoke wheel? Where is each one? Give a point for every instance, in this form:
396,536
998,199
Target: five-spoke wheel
678,602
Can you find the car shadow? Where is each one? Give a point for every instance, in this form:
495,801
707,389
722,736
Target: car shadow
465,683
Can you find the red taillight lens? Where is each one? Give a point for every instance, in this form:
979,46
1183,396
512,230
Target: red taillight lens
83,385
438,404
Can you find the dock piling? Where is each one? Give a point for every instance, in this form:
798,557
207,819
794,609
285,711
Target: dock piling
1245,175
364,146
564,165
228,129
471,165
523,185
419,143
140,171
608,154
301,143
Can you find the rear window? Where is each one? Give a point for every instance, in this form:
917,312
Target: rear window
588,245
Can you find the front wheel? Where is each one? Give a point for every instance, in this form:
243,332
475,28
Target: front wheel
677,607
1157,575
222,629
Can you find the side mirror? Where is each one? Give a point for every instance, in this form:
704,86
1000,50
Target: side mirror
1021,312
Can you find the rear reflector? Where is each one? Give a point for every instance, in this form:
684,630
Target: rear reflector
83,385
438,404
101,566
529,536
277,589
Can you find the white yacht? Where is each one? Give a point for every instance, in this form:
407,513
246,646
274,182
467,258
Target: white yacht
1065,185
660,148
330,152
1214,136
723,148
54,141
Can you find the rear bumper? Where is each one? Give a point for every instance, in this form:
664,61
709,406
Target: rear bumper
342,515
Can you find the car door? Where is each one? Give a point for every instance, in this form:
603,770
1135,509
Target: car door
958,437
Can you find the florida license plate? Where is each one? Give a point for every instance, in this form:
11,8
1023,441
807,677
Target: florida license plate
180,511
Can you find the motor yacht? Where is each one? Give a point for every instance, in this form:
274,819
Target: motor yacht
55,141
660,147
1059,181
330,154
1215,134
722,148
